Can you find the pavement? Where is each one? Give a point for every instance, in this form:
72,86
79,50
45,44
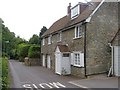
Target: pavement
97,81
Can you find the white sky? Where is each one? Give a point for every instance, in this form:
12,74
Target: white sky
27,17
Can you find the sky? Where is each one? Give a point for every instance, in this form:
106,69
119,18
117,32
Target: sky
27,17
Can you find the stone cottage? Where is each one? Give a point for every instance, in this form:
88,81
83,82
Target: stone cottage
77,43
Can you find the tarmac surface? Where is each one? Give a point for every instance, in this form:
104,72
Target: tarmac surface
37,77
98,81
40,77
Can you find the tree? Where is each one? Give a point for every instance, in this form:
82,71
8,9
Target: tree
20,40
22,51
9,41
42,31
34,39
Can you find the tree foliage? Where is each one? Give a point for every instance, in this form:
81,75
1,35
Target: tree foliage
16,47
9,41
42,31
22,51
34,51
34,39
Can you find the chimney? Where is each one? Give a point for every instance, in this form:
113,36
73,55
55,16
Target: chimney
69,9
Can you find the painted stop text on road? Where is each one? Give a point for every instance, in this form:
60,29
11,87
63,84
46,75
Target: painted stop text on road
45,85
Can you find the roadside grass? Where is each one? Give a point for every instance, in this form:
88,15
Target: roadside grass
4,73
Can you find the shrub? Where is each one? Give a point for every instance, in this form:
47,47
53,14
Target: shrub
5,77
23,51
34,51
4,54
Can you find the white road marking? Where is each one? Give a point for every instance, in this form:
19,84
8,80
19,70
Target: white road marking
27,86
45,85
57,85
78,85
35,86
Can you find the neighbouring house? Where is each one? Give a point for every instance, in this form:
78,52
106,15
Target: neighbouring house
77,43
115,54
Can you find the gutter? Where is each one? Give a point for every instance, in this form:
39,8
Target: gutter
85,49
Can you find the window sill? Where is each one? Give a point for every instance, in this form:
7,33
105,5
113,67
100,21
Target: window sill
49,43
59,41
77,38
79,66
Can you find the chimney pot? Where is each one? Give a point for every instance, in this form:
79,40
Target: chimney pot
69,9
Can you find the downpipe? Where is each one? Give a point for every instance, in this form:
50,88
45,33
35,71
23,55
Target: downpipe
111,70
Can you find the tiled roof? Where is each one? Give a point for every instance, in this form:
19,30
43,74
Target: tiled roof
63,48
57,25
66,21
117,34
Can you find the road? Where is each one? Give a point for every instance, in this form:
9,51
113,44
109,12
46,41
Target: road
37,77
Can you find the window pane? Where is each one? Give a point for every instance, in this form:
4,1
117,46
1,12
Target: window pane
77,59
43,41
60,36
66,55
77,31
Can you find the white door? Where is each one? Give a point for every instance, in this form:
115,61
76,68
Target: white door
58,63
43,61
117,60
48,62
66,65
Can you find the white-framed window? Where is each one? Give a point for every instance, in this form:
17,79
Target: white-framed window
75,11
77,59
78,32
49,39
43,41
59,36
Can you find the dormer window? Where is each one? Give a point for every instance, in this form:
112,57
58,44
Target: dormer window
75,11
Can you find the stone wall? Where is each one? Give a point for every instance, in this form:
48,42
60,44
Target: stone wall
78,72
73,44
100,31
32,61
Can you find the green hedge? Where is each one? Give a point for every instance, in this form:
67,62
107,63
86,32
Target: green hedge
34,51
5,77
23,51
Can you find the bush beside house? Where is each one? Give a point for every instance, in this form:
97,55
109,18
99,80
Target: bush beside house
33,56
23,51
34,51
